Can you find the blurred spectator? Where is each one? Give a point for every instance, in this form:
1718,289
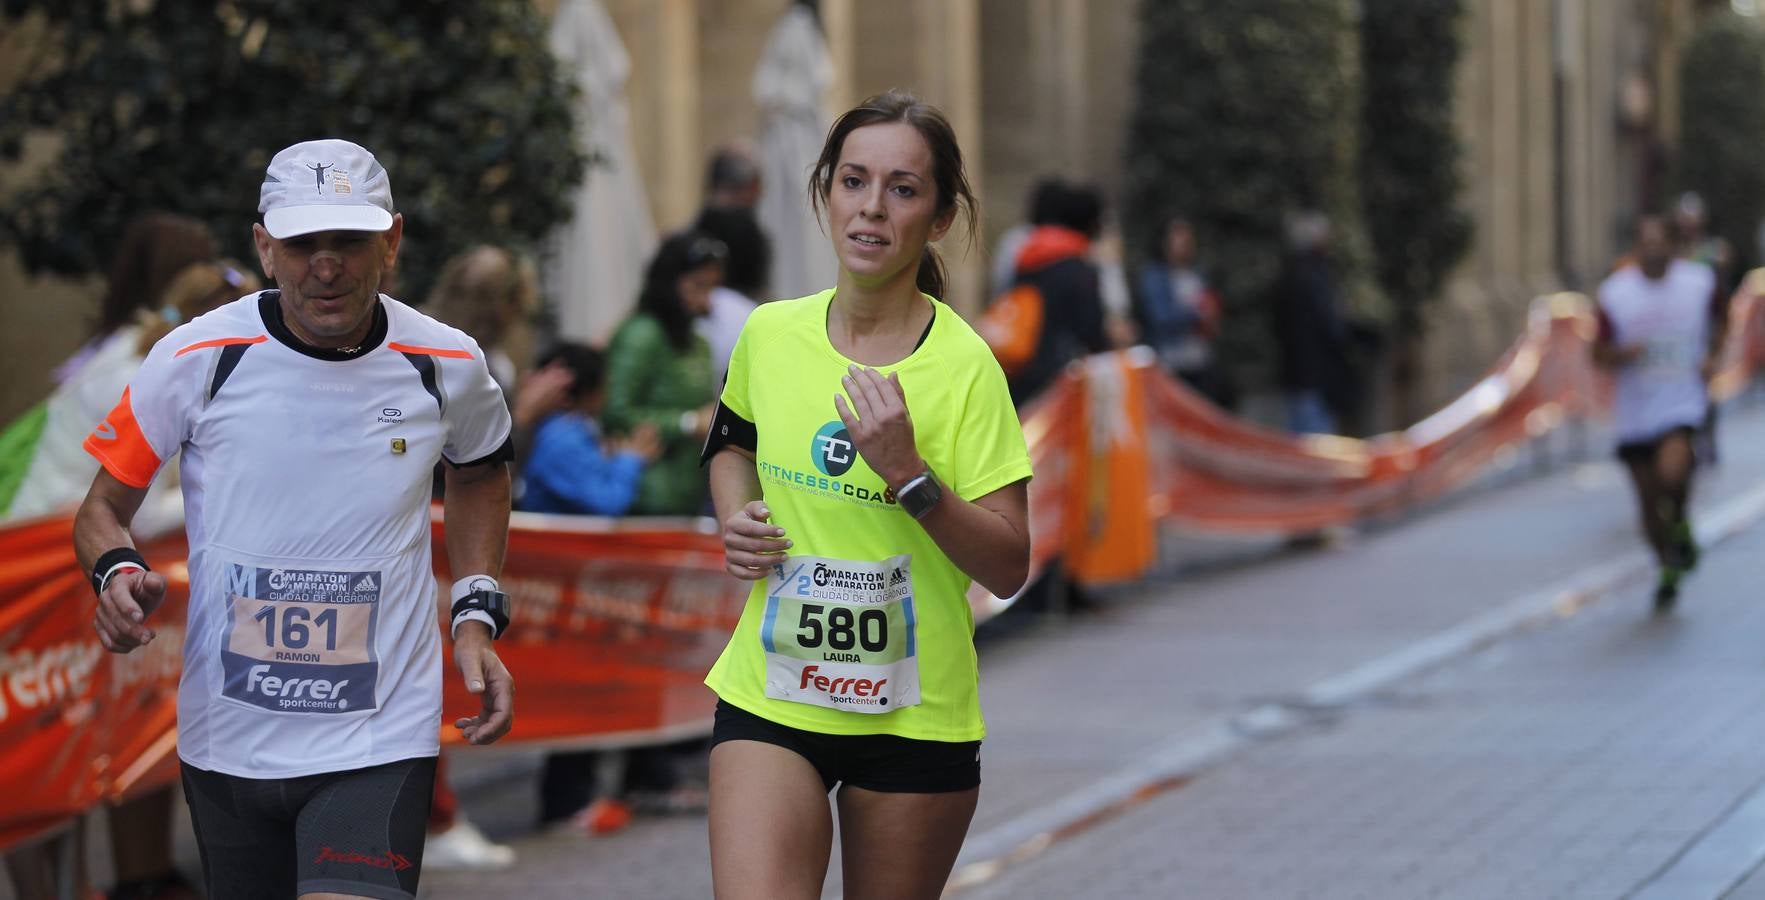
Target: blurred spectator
1691,221
732,188
1055,259
572,469
488,292
659,372
1112,288
1309,329
1044,199
154,247
51,473
1179,313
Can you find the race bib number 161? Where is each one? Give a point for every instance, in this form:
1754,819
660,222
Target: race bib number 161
301,640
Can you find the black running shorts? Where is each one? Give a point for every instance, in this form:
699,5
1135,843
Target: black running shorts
355,832
875,762
1645,451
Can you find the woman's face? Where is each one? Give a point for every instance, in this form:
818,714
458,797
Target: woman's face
882,207
695,288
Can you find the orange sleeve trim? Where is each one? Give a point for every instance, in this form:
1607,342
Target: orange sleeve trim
118,444
221,342
430,351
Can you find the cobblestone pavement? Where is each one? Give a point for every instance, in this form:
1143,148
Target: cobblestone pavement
1581,759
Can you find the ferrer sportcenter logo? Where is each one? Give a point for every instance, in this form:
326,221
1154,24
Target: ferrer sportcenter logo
832,450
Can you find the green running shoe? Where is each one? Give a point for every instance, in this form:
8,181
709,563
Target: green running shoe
1667,589
1685,545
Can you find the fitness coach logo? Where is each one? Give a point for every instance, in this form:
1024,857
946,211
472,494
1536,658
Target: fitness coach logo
832,450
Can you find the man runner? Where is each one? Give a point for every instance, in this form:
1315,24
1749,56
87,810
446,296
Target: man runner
1661,325
310,418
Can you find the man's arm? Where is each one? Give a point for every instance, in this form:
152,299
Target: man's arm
101,525
477,514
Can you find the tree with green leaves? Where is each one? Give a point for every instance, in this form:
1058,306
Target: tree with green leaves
1722,127
1409,163
179,105
1245,114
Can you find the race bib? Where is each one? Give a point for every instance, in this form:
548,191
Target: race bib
301,640
840,633
1673,354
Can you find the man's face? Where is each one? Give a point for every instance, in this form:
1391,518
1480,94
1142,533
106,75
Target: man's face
1654,246
329,279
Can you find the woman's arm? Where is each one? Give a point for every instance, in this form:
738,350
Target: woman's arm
751,543
989,537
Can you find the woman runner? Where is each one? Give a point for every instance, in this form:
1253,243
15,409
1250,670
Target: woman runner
862,526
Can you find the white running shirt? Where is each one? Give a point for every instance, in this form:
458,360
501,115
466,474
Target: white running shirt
1670,318
312,641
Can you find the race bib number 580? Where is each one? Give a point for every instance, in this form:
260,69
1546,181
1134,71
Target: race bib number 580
840,633
301,640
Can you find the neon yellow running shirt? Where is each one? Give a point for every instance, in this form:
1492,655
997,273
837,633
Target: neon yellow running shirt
865,628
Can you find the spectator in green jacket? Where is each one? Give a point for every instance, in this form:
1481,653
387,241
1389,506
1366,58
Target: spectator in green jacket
659,372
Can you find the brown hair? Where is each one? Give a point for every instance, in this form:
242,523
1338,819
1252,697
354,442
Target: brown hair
154,247
198,288
483,291
947,171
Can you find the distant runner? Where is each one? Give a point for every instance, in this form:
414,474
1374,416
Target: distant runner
1661,323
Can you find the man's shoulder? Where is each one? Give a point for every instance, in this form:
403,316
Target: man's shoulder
236,322
410,330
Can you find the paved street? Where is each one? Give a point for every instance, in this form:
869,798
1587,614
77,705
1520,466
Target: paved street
1471,703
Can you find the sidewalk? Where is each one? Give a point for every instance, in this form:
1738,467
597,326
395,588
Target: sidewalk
1074,701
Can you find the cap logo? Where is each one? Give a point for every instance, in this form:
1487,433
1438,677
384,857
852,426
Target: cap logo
319,174
340,182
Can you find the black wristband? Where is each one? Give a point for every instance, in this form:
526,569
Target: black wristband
110,560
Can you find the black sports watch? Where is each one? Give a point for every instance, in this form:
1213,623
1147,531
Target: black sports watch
920,495
494,604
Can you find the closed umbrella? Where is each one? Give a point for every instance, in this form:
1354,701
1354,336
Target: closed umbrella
597,258
793,73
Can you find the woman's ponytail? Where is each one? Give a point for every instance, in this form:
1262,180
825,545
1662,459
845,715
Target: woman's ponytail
931,273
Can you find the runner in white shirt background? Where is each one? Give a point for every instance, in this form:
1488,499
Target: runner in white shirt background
1661,325
310,419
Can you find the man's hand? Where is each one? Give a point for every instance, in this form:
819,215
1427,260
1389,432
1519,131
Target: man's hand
131,596
486,676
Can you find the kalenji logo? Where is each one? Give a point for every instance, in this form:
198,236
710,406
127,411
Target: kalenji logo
387,860
857,687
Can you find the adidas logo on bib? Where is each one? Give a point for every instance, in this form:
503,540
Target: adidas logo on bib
365,584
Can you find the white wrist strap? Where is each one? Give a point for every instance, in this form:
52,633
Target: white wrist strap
108,573
466,586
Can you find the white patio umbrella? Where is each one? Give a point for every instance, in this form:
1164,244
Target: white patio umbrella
788,84
597,259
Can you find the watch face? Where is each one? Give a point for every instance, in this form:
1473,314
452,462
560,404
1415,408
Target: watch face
920,495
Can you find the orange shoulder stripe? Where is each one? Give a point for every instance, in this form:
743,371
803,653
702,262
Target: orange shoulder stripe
118,444
221,342
430,351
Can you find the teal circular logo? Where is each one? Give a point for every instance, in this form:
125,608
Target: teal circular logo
832,449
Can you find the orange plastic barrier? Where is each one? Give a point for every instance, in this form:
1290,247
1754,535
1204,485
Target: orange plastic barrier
616,621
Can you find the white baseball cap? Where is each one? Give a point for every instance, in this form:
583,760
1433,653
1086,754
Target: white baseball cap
327,185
